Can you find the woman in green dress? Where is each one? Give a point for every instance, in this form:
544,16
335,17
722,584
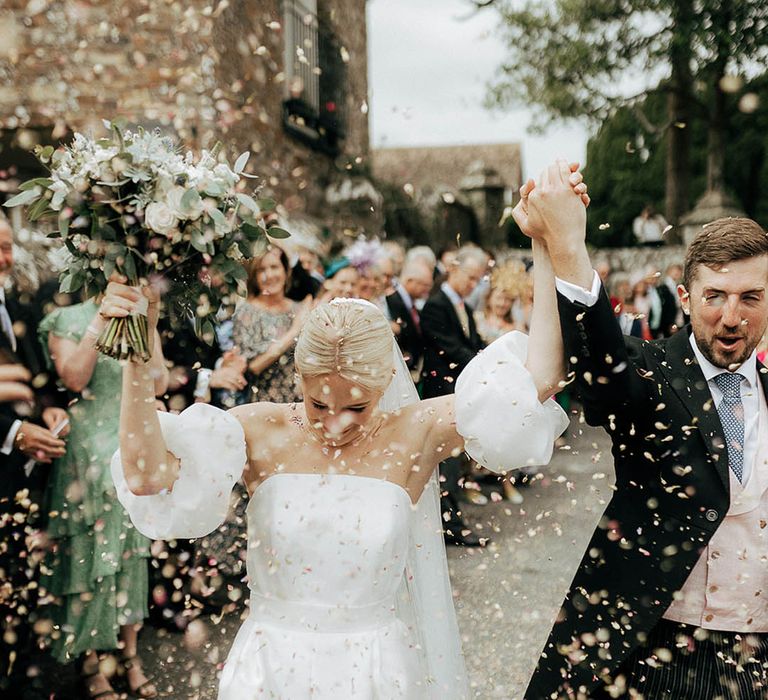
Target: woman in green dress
96,571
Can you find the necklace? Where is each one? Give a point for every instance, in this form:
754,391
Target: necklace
317,435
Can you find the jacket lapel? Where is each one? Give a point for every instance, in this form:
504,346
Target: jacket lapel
684,375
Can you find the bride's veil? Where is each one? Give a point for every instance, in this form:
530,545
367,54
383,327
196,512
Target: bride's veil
425,600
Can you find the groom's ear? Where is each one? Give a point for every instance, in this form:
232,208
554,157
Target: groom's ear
685,299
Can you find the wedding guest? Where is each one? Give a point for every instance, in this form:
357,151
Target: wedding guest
387,269
340,280
668,601
649,227
370,284
646,304
480,292
415,283
264,329
445,259
396,253
622,303
370,260
671,309
26,433
96,572
307,275
502,313
509,283
451,341
426,255
200,369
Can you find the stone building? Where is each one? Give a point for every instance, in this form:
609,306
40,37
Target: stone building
284,79
461,191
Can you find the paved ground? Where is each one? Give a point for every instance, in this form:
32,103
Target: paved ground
506,594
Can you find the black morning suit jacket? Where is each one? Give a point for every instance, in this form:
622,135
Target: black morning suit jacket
410,338
25,314
447,349
672,492
183,347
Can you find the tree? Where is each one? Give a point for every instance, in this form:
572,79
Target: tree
574,59
626,163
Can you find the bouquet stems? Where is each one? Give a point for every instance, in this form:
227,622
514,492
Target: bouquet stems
126,338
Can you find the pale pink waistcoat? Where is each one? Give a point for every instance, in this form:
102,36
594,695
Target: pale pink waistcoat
728,588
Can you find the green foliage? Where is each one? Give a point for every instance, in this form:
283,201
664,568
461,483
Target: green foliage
625,165
132,204
569,58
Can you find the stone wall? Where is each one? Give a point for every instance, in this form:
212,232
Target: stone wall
204,70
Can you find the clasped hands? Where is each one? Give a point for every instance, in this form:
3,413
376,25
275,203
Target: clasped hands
552,209
40,443
33,440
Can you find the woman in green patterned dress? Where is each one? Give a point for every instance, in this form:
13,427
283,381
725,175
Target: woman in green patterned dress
96,571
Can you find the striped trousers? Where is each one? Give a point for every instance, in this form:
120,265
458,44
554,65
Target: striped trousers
682,662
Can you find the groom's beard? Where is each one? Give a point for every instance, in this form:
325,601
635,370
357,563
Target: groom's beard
724,358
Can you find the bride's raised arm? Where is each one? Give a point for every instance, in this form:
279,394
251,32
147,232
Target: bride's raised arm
502,412
173,473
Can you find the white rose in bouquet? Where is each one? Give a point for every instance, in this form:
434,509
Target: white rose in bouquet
180,223
159,217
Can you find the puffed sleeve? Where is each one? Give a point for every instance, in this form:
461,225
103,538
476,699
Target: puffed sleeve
210,444
498,412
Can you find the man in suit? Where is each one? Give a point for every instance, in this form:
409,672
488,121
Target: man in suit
671,309
669,600
25,433
200,371
414,284
451,341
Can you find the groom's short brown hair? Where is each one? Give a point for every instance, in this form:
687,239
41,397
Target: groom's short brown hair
721,242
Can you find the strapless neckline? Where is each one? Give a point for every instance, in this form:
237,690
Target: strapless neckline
326,476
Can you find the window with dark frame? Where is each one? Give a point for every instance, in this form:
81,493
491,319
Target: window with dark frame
315,78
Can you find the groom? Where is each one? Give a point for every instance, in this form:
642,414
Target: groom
671,597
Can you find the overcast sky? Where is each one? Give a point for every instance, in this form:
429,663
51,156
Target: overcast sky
429,62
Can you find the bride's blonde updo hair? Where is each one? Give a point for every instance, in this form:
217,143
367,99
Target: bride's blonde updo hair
351,339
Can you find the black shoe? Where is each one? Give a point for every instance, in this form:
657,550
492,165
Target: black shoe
468,540
456,532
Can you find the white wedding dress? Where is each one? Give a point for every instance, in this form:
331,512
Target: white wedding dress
350,597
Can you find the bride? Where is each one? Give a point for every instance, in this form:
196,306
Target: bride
350,596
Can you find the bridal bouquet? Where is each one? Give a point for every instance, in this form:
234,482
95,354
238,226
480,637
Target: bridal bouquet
133,204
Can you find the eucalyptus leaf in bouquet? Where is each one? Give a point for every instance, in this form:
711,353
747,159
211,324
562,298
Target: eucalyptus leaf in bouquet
132,204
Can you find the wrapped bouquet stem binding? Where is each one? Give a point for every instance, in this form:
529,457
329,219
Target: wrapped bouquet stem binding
131,203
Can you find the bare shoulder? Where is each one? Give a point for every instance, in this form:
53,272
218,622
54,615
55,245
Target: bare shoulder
427,411
422,418
256,416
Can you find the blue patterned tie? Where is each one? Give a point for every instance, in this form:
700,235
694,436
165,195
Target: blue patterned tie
731,412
